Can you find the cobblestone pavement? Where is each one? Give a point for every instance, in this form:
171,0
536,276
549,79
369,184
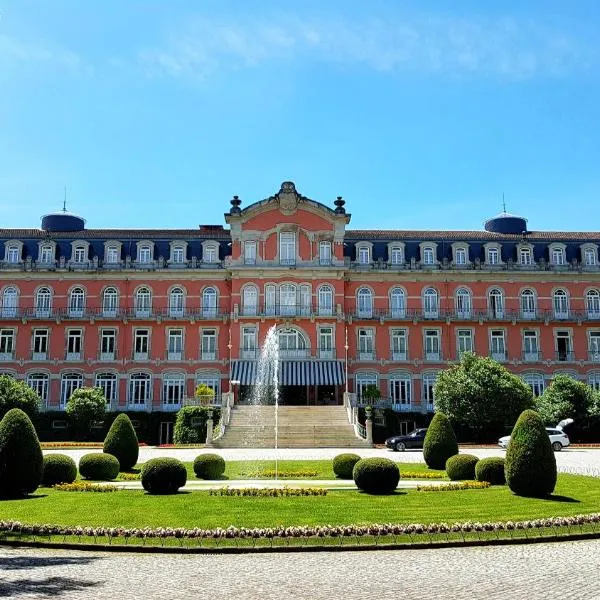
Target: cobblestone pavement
571,459
565,570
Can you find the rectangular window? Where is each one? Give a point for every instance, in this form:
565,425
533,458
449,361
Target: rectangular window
589,257
177,255
497,345
175,344
366,345
248,342
7,344
209,344
140,389
287,248
428,388
364,255
74,344
399,346
40,344
326,342
144,254
460,256
112,255
536,382
107,382
400,391
525,256
79,254
250,253
46,254
108,344
558,256
432,344
173,390
13,254
531,346
564,347
396,257
270,300
141,344
38,382
594,346
464,341
493,256
209,254
428,258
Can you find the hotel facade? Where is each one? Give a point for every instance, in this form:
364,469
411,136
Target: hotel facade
148,314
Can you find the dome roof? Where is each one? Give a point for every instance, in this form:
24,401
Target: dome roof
62,221
506,223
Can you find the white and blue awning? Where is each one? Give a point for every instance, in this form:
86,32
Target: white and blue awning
293,372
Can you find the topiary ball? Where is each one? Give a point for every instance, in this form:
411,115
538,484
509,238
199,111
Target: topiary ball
440,442
209,466
58,468
376,475
121,441
491,469
461,466
343,465
99,466
163,475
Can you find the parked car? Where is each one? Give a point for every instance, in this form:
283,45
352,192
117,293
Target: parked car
558,438
411,440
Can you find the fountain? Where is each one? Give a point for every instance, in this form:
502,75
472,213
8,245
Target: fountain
266,389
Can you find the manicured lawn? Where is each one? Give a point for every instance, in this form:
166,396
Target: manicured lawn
574,495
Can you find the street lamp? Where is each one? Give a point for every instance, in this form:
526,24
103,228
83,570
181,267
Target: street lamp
346,361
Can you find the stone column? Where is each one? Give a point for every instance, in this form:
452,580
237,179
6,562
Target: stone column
369,428
209,429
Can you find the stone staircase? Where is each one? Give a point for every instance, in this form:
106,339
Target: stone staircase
298,427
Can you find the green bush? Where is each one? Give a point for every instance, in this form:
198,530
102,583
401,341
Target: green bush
461,466
58,468
21,458
17,394
440,442
83,407
190,426
343,465
491,469
530,466
209,466
99,466
121,441
376,475
163,475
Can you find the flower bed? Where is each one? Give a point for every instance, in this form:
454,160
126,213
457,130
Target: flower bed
49,445
84,486
422,475
272,474
454,487
268,492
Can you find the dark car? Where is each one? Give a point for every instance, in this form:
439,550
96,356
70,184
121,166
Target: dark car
414,439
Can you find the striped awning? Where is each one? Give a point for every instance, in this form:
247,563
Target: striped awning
293,372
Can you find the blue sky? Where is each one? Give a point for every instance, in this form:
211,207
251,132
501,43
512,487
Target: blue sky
421,114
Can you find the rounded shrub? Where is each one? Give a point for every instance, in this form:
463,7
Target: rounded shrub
121,441
491,469
99,466
343,465
21,458
530,466
58,468
209,466
461,466
163,475
376,475
440,442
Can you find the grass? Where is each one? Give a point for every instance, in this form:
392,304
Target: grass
575,494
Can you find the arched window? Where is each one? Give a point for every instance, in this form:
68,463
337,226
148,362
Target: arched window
43,302
69,382
39,383
292,343
397,303
110,302
287,299
143,302
496,303
209,303
431,305
305,300
77,302
365,303
173,389
363,381
427,388
10,302
107,382
325,299
176,302
536,382
528,304
463,303
560,304
140,389
592,304
250,300
401,391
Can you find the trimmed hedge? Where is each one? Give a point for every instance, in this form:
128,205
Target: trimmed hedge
190,425
58,468
491,469
121,441
440,442
530,466
343,465
461,466
99,466
21,458
376,475
163,475
209,466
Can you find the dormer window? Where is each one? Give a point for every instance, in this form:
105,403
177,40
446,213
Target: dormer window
178,253
492,256
13,252
363,253
460,254
428,255
112,255
79,254
210,252
525,256
325,253
250,252
492,253
557,254
396,254
589,255
46,253
145,252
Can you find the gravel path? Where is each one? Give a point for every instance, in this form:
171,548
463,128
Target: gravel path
566,570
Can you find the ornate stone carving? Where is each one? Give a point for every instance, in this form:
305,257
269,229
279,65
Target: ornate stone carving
288,198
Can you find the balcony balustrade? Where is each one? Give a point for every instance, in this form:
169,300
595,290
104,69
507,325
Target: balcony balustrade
564,356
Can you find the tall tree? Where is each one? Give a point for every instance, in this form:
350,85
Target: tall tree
84,406
17,394
565,397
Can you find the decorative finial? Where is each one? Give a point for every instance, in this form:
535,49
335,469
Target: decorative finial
339,204
503,204
235,205
65,201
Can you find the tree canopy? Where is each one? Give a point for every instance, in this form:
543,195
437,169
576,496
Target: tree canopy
565,397
84,406
17,394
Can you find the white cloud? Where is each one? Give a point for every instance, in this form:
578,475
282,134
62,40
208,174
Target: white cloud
506,47
18,52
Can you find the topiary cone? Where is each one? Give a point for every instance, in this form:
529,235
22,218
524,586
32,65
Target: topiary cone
440,442
21,458
121,441
530,464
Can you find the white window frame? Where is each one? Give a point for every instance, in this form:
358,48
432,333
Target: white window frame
364,379
46,253
10,302
463,300
145,253
80,252
112,253
249,337
287,247
536,382
528,303
77,302
210,302
557,255
69,382
531,345
141,343
428,389
589,255
108,340
525,255
143,302
364,253
110,301
432,345
250,300
208,344
325,253
109,384
74,344
175,343
397,303
325,302
396,254
40,384
496,306
400,389
40,343
498,345
13,252
594,346
364,303
177,252
465,341
326,337
8,338
176,302
173,389
366,343
592,304
43,302
399,344
139,390
560,304
250,247
431,303
210,252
